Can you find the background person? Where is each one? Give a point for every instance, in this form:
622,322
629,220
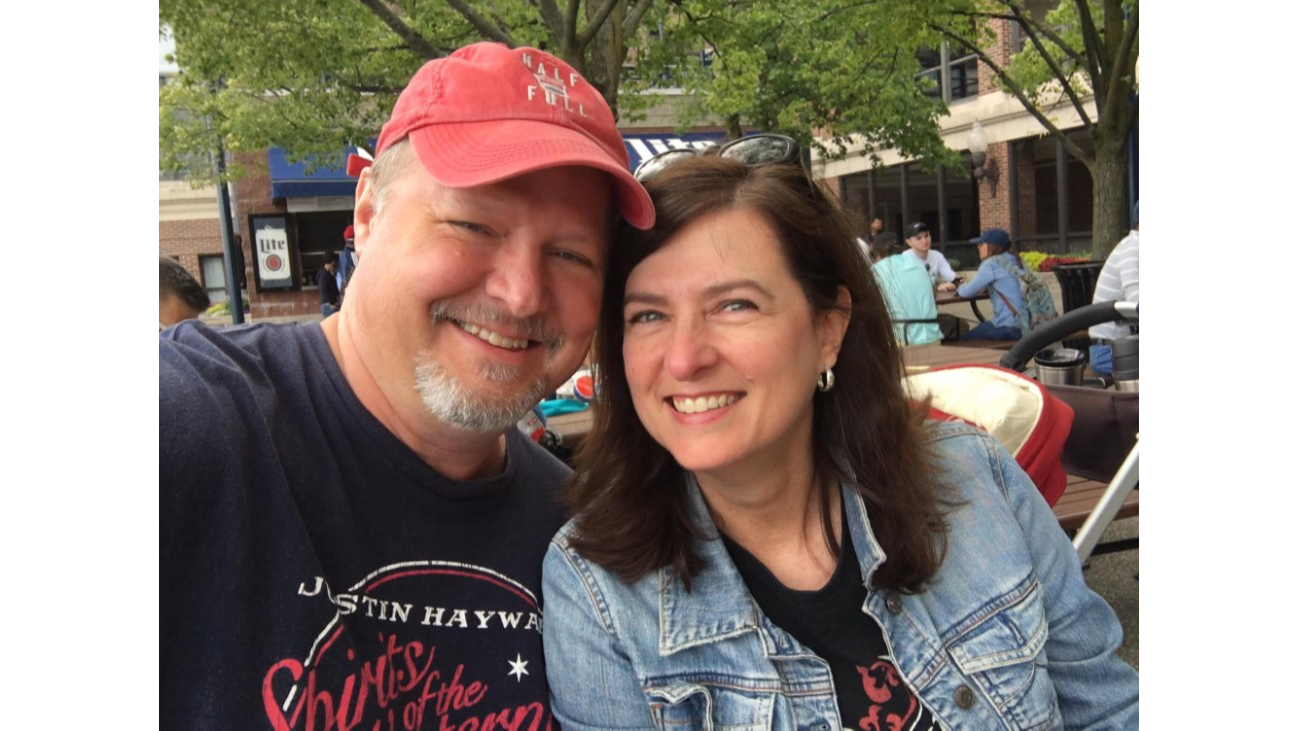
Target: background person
907,289
346,261
1119,281
180,296
328,286
876,227
940,272
755,461
997,262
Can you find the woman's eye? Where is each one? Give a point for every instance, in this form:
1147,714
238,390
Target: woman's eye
738,306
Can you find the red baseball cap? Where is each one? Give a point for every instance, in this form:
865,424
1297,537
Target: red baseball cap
488,112
348,234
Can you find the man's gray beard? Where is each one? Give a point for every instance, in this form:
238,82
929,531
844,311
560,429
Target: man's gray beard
448,400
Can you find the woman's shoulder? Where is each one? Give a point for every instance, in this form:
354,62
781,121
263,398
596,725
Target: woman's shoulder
970,458
563,552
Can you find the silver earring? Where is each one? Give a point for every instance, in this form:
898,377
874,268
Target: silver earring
825,381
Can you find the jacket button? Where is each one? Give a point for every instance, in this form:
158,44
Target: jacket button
964,697
893,602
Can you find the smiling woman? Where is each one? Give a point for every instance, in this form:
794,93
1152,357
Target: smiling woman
768,535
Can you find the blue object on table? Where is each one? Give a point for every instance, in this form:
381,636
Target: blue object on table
555,407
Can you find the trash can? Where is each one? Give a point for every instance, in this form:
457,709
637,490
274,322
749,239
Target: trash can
1077,285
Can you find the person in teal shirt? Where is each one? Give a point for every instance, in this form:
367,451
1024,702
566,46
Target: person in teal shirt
908,290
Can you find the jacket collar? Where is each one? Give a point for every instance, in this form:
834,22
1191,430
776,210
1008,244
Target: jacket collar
718,605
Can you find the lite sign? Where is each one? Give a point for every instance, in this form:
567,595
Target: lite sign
271,244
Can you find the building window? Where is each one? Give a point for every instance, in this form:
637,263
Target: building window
948,79
899,199
214,277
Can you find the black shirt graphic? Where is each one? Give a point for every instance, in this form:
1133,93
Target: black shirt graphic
829,621
315,573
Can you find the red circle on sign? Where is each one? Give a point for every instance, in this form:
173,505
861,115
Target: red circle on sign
274,262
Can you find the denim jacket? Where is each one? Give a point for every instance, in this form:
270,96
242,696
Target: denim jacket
1006,634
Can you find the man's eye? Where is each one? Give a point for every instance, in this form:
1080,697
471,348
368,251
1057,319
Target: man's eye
644,316
573,257
469,226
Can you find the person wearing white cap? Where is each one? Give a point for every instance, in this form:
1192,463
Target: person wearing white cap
352,527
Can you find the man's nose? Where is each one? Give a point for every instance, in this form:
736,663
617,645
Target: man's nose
517,279
691,350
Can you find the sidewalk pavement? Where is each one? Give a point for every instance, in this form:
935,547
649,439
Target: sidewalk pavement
1114,577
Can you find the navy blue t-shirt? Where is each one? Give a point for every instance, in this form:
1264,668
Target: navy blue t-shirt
315,572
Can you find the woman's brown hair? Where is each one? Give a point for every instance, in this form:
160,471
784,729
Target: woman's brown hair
629,494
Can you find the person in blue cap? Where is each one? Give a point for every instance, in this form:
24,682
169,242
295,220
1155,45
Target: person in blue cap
997,273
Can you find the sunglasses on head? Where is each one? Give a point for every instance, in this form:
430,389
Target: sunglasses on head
754,150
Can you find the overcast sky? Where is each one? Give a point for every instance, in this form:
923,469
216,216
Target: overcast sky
165,46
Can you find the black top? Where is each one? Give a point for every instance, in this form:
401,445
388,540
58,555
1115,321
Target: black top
831,622
328,287
314,567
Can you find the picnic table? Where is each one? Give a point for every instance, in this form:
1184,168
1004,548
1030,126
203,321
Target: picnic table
951,298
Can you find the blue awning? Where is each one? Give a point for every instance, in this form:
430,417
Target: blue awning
644,146
290,179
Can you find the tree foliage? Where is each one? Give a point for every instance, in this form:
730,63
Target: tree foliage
313,75
826,72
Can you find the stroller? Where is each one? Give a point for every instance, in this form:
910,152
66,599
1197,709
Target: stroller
1051,429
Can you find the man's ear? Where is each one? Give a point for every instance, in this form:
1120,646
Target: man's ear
832,325
364,211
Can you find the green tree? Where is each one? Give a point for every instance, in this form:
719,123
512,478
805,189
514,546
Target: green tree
312,75
826,72
1079,51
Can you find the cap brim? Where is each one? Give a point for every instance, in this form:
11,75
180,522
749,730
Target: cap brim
465,154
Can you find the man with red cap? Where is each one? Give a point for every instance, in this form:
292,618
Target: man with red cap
351,527
346,260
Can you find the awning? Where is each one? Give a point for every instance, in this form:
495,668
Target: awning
290,179
644,146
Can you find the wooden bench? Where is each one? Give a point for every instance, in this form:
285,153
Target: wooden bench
985,344
1080,498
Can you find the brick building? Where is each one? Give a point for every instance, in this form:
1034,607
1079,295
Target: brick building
189,231
1033,188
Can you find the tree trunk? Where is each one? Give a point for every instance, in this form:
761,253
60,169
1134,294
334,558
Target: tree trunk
1109,197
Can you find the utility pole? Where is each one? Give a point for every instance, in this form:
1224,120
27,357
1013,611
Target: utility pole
233,258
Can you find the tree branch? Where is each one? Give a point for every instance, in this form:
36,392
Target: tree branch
1015,91
570,26
393,17
834,11
550,15
1091,42
637,12
478,22
1026,20
1055,69
1121,60
593,25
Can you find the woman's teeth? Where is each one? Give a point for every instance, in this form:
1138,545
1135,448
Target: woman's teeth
494,338
703,403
